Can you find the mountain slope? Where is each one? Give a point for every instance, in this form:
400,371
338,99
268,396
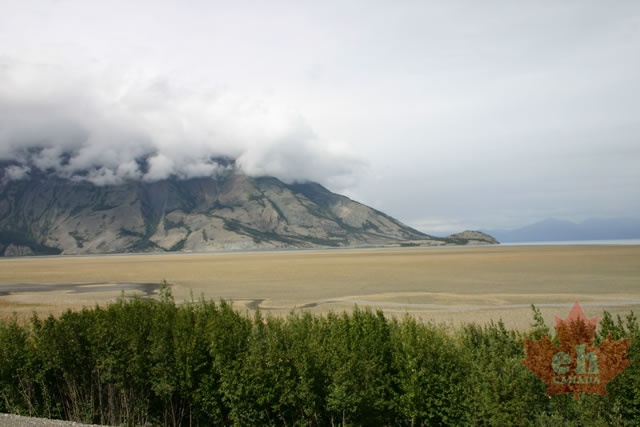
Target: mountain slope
474,237
46,215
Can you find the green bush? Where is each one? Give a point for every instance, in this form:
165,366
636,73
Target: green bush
141,361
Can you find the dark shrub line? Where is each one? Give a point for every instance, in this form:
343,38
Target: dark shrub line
139,362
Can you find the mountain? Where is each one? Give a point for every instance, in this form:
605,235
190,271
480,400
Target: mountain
550,230
474,238
45,214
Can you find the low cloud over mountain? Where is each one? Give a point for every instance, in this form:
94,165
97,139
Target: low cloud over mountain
109,127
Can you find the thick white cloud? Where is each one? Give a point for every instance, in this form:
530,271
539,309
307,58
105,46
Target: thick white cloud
106,129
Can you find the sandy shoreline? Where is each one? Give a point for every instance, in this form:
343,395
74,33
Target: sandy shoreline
450,284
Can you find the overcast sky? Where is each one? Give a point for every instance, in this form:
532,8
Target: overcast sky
447,115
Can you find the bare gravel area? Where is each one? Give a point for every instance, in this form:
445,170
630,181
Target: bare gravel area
8,420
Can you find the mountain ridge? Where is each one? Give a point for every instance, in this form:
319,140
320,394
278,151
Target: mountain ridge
552,229
47,214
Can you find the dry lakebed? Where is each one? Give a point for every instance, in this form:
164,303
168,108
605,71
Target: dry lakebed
444,284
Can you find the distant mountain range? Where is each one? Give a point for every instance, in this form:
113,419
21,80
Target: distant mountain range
551,230
46,214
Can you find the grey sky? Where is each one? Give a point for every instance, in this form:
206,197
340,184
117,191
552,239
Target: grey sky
444,114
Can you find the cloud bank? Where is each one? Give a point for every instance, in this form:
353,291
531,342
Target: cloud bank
108,127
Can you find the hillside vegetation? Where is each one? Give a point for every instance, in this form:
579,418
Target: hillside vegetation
144,361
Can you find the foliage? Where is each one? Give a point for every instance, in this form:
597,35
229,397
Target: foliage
155,362
20,238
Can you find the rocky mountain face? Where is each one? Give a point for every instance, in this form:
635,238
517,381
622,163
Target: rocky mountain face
473,238
45,214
